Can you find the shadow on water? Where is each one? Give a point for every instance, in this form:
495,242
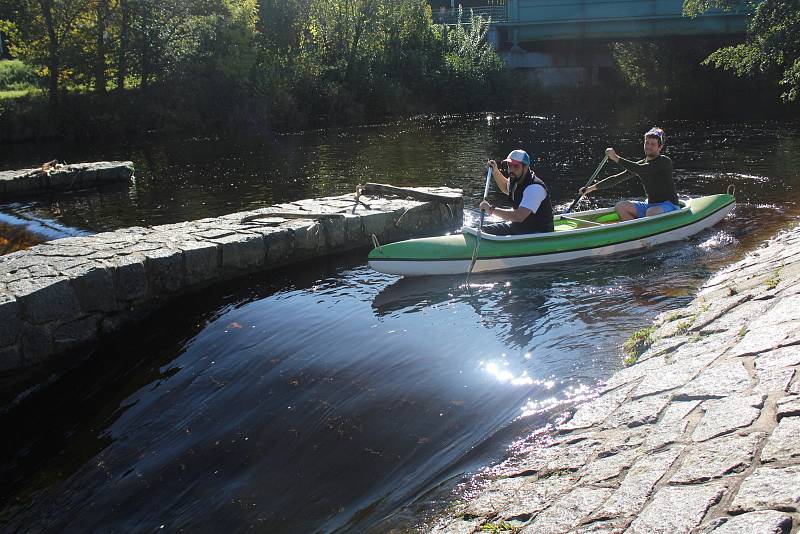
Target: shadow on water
82,406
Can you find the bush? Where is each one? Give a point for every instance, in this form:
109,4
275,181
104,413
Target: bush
16,75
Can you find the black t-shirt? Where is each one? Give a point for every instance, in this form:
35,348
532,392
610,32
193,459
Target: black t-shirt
655,176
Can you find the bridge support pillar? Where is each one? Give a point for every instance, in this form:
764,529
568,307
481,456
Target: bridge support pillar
568,65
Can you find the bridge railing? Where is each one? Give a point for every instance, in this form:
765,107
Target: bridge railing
450,16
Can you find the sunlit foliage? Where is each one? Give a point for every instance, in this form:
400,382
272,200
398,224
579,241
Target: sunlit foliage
772,46
241,59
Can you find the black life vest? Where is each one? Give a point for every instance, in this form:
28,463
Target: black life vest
539,221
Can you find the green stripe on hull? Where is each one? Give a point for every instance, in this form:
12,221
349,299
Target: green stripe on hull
588,236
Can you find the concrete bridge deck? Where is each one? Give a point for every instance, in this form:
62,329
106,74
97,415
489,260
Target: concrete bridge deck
64,295
562,43
553,20
547,20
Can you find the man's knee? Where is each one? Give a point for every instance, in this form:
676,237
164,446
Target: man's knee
625,208
655,210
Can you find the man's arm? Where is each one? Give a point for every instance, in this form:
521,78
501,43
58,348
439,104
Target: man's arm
614,179
643,168
611,181
511,215
499,178
532,199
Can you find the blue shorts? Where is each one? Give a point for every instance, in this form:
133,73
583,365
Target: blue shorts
641,207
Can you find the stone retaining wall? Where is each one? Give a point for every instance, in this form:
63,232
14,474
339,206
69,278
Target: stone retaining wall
701,435
67,293
63,177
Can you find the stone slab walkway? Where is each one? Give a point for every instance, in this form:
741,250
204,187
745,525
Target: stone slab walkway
65,294
701,435
63,177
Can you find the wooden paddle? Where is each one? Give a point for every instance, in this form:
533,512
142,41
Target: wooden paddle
478,235
594,175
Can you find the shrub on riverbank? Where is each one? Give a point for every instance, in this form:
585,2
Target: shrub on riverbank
16,75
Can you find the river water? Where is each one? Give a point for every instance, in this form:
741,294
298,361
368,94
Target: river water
327,397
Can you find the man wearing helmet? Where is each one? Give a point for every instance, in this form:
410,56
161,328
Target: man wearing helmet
532,211
655,174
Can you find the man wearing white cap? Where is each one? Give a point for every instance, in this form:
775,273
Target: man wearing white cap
532,211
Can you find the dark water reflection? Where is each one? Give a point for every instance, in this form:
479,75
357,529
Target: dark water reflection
178,180
330,398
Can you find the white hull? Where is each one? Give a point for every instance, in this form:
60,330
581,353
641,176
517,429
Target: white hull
435,267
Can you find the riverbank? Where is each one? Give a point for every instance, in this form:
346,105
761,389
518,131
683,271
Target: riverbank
700,435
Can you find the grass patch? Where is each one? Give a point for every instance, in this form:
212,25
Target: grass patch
742,332
773,281
639,342
502,526
12,94
684,326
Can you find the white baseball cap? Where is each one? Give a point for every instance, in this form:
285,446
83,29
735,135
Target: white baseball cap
519,156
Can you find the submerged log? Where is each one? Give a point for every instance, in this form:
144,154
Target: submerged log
291,215
428,194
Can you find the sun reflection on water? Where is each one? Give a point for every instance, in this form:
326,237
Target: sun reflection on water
504,375
573,394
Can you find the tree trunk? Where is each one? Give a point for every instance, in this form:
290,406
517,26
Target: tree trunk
144,49
100,60
52,48
122,62
366,15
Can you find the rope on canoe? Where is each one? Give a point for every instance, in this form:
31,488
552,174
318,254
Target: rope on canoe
405,210
375,242
286,215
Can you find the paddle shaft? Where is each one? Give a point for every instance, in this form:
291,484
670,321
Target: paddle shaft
480,225
594,175
485,195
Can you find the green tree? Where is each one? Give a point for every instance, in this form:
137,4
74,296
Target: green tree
123,43
232,43
772,46
639,63
47,35
471,64
103,13
468,51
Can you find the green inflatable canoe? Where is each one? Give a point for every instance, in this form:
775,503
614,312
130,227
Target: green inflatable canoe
578,235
